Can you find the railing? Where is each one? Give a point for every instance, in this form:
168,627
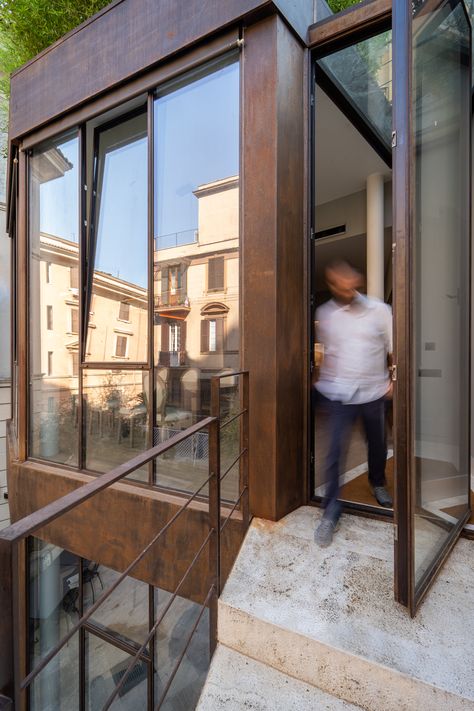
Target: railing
172,359
176,239
240,418
15,540
172,298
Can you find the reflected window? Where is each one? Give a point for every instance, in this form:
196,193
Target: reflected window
215,278
49,318
196,208
54,252
119,240
121,346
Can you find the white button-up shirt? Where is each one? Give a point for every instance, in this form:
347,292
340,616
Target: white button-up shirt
357,338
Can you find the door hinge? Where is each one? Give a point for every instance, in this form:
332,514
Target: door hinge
312,100
395,531
312,234
394,139
393,373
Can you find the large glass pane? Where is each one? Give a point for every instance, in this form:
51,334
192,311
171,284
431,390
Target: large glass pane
54,300
171,640
362,73
56,688
116,418
126,611
118,302
53,608
53,576
105,666
441,236
196,257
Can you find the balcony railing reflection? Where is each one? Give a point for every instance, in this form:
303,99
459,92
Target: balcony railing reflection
176,239
172,359
171,298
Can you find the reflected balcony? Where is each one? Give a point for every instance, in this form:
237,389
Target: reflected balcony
174,302
172,359
176,239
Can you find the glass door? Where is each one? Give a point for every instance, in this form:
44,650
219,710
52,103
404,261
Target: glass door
431,200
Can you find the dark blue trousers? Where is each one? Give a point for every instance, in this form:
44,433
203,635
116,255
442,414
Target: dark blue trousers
340,421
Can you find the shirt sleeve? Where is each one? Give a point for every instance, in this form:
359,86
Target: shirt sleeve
388,327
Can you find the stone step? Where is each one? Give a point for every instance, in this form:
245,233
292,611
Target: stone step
327,617
236,682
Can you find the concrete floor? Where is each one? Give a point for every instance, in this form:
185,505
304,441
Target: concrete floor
328,618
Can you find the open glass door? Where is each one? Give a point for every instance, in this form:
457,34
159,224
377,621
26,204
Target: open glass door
431,201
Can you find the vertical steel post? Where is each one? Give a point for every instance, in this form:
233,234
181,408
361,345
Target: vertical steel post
245,450
215,526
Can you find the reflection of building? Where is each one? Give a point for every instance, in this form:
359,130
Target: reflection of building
196,300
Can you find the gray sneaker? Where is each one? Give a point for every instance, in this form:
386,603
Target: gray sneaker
324,533
382,496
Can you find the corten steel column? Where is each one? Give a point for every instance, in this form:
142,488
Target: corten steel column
273,233
375,236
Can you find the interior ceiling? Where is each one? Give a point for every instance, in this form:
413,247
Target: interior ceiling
344,159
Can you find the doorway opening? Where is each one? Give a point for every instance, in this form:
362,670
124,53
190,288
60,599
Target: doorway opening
352,218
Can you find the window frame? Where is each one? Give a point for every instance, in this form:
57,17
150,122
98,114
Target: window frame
186,74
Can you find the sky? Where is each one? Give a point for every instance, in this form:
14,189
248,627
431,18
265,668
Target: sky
196,142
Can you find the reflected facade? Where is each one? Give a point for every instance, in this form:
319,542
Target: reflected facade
161,253
54,301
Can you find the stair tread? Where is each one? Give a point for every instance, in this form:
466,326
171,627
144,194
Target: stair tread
236,682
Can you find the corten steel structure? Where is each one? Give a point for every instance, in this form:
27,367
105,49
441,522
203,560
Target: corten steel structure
233,290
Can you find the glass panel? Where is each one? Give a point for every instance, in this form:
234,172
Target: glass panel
171,639
105,666
56,688
184,467
126,610
196,219
53,596
54,250
441,252
116,411
363,74
119,246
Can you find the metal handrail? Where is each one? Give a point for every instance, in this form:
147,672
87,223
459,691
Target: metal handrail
18,532
14,536
28,525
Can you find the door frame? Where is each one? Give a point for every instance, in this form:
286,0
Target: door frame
345,29
403,275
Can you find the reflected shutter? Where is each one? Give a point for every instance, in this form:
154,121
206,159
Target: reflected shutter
204,336
165,337
219,335
164,286
183,336
215,279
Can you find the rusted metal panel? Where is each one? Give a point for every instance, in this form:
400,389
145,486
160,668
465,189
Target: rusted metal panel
125,39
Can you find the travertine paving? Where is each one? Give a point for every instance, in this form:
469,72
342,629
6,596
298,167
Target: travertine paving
236,682
328,617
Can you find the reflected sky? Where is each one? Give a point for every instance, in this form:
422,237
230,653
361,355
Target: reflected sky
196,142
59,198
122,247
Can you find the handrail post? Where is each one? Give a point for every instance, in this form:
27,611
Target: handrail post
216,397
245,449
214,524
6,619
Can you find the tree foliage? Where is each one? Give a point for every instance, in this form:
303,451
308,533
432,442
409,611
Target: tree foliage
29,26
338,5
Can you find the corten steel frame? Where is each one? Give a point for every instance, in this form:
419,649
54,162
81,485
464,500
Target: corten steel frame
345,29
14,595
404,187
